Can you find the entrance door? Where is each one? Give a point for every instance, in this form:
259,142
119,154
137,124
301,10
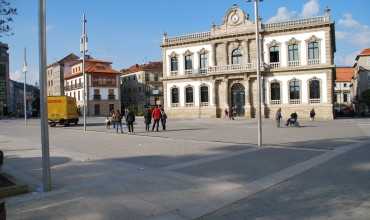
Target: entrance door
97,109
238,98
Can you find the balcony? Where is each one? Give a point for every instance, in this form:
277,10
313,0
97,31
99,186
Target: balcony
97,97
204,104
314,101
275,65
174,73
190,104
111,97
175,105
294,101
188,71
313,61
294,63
231,68
275,102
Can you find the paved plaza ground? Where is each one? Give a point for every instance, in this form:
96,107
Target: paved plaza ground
197,169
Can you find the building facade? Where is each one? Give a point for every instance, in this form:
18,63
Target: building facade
55,75
361,80
4,79
208,72
141,86
16,106
103,91
342,88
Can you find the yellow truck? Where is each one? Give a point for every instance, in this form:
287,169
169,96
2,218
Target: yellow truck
62,110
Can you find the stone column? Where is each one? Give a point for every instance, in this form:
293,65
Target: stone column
213,52
246,51
226,57
247,107
223,93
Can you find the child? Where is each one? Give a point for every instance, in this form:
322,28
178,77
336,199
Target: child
107,122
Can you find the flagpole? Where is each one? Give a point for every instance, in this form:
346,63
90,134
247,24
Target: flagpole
83,41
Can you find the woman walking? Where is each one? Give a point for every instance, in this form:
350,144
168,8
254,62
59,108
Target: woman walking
163,119
118,120
278,117
312,114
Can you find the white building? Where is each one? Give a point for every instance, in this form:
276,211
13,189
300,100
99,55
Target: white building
205,73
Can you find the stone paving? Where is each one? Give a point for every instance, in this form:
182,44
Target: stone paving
195,168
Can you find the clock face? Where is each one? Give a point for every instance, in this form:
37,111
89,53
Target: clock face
235,18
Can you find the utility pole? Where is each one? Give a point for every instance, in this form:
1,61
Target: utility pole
46,177
258,66
83,48
24,87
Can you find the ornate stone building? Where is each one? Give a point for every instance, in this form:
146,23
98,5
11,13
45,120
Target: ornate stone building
204,73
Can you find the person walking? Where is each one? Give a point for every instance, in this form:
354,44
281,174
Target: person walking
226,113
156,115
312,114
112,119
278,117
163,119
130,119
118,119
147,119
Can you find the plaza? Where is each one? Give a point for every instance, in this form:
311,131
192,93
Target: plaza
199,168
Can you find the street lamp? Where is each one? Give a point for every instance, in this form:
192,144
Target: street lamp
83,49
24,88
46,177
258,66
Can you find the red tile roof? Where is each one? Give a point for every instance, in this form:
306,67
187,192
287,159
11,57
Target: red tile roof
93,66
365,52
344,74
151,66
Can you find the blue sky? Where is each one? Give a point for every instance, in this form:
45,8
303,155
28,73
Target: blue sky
128,32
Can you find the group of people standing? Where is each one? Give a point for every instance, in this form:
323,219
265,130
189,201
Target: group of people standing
157,114
293,119
230,113
116,117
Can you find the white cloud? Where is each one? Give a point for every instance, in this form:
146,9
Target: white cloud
346,59
353,32
282,14
16,76
309,9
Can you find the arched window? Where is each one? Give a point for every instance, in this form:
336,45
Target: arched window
314,86
174,64
294,91
274,54
189,98
175,95
204,94
275,92
236,57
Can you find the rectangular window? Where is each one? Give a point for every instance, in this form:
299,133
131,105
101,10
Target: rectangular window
203,63
274,54
313,50
345,97
188,63
293,52
174,64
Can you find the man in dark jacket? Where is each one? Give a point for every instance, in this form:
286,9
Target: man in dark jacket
156,115
130,119
147,119
163,119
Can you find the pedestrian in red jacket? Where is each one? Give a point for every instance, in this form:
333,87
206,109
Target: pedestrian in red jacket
156,115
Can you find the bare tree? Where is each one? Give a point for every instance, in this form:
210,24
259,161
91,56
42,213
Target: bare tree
6,17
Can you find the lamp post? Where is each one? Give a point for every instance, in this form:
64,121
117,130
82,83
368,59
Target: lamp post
258,72
24,88
83,48
46,177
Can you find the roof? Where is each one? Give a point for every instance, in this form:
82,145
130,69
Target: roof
94,66
143,67
67,58
344,74
364,52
